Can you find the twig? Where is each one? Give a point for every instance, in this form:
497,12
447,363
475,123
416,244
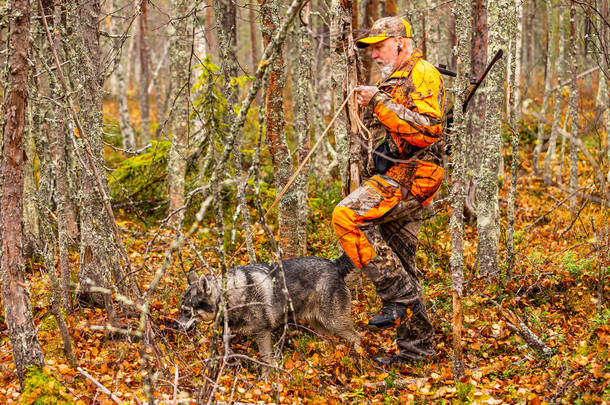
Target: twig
560,203
574,220
99,385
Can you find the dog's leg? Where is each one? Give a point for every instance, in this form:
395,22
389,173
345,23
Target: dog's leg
263,341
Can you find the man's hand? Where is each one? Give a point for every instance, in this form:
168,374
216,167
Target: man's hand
364,94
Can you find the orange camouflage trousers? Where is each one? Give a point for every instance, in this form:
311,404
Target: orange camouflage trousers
377,227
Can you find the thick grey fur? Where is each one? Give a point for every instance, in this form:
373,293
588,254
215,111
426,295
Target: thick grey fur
257,304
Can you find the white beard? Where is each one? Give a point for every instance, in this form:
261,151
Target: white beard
386,68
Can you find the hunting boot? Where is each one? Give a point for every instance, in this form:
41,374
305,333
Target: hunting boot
391,314
414,338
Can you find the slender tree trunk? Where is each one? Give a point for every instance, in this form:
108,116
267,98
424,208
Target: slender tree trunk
179,116
488,218
478,102
98,251
515,122
548,81
574,115
371,13
31,217
209,27
303,70
276,139
558,102
340,18
18,313
255,54
144,72
390,8
127,132
462,14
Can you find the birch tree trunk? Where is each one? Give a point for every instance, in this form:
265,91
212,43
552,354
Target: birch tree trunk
488,218
559,36
144,72
179,116
574,114
281,158
549,64
462,14
18,313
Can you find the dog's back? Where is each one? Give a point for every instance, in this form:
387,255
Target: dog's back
316,287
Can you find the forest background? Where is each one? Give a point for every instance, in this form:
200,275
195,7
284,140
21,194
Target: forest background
144,139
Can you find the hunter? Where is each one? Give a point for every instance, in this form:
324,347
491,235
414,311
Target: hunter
378,223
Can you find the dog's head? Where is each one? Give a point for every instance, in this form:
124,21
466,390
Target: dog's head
199,303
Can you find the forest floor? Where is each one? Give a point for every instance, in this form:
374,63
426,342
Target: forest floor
553,288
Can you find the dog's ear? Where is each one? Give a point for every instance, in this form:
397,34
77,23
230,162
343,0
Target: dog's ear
202,284
192,277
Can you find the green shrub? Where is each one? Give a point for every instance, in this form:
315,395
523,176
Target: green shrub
41,389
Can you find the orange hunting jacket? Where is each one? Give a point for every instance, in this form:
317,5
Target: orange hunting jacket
410,105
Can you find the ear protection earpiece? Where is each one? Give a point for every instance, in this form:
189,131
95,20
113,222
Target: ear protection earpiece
399,49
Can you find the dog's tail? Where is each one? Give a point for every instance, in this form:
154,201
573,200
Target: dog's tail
343,264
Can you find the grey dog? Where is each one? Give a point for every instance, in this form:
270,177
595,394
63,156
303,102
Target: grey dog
257,305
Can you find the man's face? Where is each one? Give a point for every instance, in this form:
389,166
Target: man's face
385,54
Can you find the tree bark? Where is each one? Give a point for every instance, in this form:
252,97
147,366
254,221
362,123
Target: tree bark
475,120
488,217
514,123
280,156
179,116
99,257
18,313
390,8
560,37
371,13
127,132
144,73
462,15
548,80
303,71
574,113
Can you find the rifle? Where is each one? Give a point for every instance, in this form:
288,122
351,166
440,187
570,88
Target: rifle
472,88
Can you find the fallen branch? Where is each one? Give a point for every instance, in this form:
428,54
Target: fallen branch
400,384
516,325
99,385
